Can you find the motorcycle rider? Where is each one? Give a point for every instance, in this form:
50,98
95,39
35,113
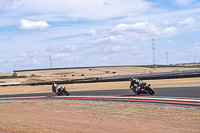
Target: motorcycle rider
59,90
55,87
136,84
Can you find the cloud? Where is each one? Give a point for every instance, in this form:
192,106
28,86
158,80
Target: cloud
6,38
103,58
122,49
106,3
165,22
17,59
126,33
5,3
91,32
25,56
143,29
109,40
187,21
32,62
59,55
66,48
102,50
170,41
183,2
28,54
28,25
195,49
63,56
84,9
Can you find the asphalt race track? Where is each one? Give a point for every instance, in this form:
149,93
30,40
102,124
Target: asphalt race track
188,92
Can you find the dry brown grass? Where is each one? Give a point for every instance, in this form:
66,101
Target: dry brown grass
66,74
59,116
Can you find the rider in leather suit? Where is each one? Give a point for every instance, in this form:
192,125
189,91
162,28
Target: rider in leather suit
135,83
55,87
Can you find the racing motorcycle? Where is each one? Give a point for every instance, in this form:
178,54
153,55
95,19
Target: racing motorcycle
57,89
142,88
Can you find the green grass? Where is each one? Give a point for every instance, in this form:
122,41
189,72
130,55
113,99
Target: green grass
198,66
98,108
77,106
129,111
8,77
15,103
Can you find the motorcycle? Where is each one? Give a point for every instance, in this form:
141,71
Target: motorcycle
142,88
59,90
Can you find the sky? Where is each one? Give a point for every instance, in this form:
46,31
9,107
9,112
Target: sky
36,34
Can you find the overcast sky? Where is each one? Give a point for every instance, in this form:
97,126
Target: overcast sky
76,33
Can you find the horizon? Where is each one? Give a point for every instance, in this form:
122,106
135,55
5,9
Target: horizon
159,65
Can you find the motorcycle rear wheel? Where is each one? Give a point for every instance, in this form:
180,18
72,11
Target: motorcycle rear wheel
133,89
151,91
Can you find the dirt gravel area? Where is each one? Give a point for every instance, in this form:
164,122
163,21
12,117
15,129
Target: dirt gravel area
60,116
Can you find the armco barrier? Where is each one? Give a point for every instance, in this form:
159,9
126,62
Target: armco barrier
187,73
149,76
10,84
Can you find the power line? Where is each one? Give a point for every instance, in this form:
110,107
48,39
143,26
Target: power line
50,63
154,58
167,58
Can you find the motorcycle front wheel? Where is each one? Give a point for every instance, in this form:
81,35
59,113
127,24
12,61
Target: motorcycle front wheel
151,91
66,92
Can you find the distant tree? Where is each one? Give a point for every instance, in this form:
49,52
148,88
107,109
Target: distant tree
14,74
33,75
151,71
